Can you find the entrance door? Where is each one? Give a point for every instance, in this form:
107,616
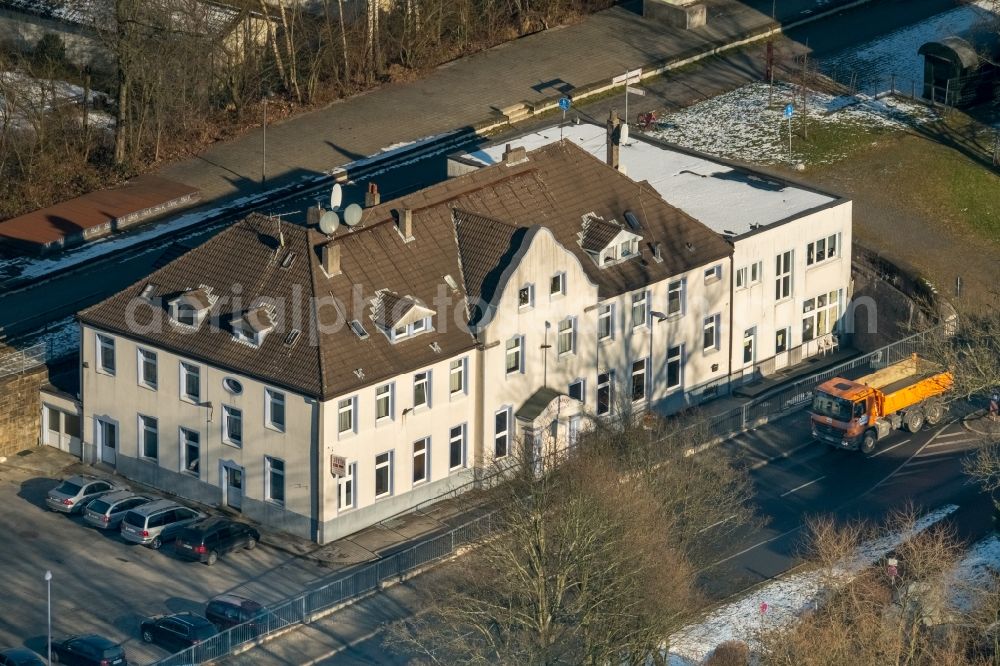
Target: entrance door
107,434
749,346
53,427
234,487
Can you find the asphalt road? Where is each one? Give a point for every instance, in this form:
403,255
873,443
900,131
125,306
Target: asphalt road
27,309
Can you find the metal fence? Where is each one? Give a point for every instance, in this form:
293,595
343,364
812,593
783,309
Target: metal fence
317,602
16,361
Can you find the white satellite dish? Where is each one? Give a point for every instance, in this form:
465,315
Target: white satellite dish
336,196
352,215
329,222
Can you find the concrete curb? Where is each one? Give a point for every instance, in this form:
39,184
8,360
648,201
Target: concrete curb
978,415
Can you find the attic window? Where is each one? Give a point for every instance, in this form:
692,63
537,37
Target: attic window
292,337
359,329
288,260
186,315
254,324
404,331
190,308
147,291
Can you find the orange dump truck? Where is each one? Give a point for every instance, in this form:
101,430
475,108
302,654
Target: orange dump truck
855,414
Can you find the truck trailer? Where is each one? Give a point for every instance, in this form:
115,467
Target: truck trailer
855,414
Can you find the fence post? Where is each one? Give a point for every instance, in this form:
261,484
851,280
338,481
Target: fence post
452,534
305,616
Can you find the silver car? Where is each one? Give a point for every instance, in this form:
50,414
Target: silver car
106,512
76,492
158,521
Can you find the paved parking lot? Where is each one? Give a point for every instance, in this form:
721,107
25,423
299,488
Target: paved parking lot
102,584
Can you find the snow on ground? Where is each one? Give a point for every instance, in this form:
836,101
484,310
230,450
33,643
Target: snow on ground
896,53
742,125
785,599
974,570
22,97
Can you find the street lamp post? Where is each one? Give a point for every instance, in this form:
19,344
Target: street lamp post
48,585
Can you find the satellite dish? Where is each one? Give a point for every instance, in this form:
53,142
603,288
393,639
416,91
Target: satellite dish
329,222
313,215
352,215
336,196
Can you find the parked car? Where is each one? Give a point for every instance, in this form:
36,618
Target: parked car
229,610
106,512
158,521
76,492
89,650
207,539
177,632
20,657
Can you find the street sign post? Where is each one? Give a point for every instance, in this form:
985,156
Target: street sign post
789,112
564,104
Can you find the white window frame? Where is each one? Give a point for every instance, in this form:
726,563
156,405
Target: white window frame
422,453
610,384
756,272
347,406
183,436
505,433
711,322
425,379
144,428
272,396
530,287
827,241
583,389
571,332
680,288
227,438
106,342
347,488
640,300
740,277
387,464
675,354
644,374
142,355
788,337
606,313
830,311
713,274
517,349
461,440
390,397
186,370
561,291
460,369
269,473
784,264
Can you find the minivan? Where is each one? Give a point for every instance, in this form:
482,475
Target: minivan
229,610
153,523
106,512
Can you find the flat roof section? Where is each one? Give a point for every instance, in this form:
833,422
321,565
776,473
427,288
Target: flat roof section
140,198
724,198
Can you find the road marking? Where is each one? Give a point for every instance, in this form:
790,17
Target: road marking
952,441
902,465
716,524
807,483
936,454
928,461
876,455
952,434
747,550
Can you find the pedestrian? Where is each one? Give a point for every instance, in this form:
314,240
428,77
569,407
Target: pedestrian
995,406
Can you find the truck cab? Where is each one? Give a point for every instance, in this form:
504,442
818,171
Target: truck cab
841,412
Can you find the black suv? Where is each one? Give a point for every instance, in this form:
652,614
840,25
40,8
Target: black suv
228,610
207,539
177,632
89,650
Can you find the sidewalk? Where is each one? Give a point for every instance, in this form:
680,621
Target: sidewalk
470,92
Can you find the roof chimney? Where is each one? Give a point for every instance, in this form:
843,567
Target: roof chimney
404,223
514,156
614,138
372,196
330,256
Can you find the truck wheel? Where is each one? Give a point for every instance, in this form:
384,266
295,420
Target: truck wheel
914,420
934,413
868,442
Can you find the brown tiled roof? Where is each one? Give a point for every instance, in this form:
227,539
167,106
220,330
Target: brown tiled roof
75,216
457,232
390,308
597,234
199,299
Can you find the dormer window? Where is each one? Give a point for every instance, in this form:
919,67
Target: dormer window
400,317
608,243
254,324
192,307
